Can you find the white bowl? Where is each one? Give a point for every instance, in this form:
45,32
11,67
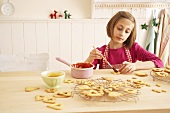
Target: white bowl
53,78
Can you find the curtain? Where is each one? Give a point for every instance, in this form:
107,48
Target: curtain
163,38
158,37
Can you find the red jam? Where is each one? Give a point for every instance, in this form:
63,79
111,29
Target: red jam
82,65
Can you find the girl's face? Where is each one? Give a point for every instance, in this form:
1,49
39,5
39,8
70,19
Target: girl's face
122,30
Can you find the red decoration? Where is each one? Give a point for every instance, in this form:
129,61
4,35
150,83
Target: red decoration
60,15
55,12
53,15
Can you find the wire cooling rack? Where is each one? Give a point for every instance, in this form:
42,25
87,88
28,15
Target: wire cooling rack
93,83
164,79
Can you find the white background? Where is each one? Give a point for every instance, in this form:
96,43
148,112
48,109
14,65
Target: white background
41,9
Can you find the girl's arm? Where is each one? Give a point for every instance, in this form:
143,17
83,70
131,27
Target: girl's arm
144,65
94,54
94,57
138,65
142,59
147,58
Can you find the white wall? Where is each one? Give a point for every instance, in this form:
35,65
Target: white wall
41,9
71,40
30,30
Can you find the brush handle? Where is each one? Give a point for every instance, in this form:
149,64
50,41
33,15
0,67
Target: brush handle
107,62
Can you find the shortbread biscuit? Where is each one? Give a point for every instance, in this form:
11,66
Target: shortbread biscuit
130,90
161,74
168,67
114,86
31,88
84,92
128,80
115,73
39,97
114,94
67,94
100,87
51,90
69,81
134,78
167,70
157,69
81,82
84,87
109,79
48,99
91,83
163,90
141,74
158,85
55,106
148,85
94,93
141,82
108,90
155,90
137,85
62,94
124,84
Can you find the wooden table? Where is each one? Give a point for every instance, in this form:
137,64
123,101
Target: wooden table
13,98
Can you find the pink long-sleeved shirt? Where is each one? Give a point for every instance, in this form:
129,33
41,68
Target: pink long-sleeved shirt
118,56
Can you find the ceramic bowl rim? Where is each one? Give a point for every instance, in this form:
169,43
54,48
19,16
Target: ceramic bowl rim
43,74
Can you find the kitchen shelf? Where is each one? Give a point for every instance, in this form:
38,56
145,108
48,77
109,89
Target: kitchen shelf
107,8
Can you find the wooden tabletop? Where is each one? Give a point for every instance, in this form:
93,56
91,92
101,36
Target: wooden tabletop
14,99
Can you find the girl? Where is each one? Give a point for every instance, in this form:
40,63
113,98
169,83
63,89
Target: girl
122,51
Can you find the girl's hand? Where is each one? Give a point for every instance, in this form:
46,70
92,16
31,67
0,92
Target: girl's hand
94,54
127,68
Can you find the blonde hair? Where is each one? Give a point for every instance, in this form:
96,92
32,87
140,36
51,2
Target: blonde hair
114,20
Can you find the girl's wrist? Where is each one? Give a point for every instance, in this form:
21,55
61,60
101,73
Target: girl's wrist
89,60
137,65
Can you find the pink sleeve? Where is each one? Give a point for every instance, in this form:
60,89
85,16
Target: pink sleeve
95,62
144,55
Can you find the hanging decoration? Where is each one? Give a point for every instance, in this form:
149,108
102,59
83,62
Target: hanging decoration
152,35
7,9
154,22
144,26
